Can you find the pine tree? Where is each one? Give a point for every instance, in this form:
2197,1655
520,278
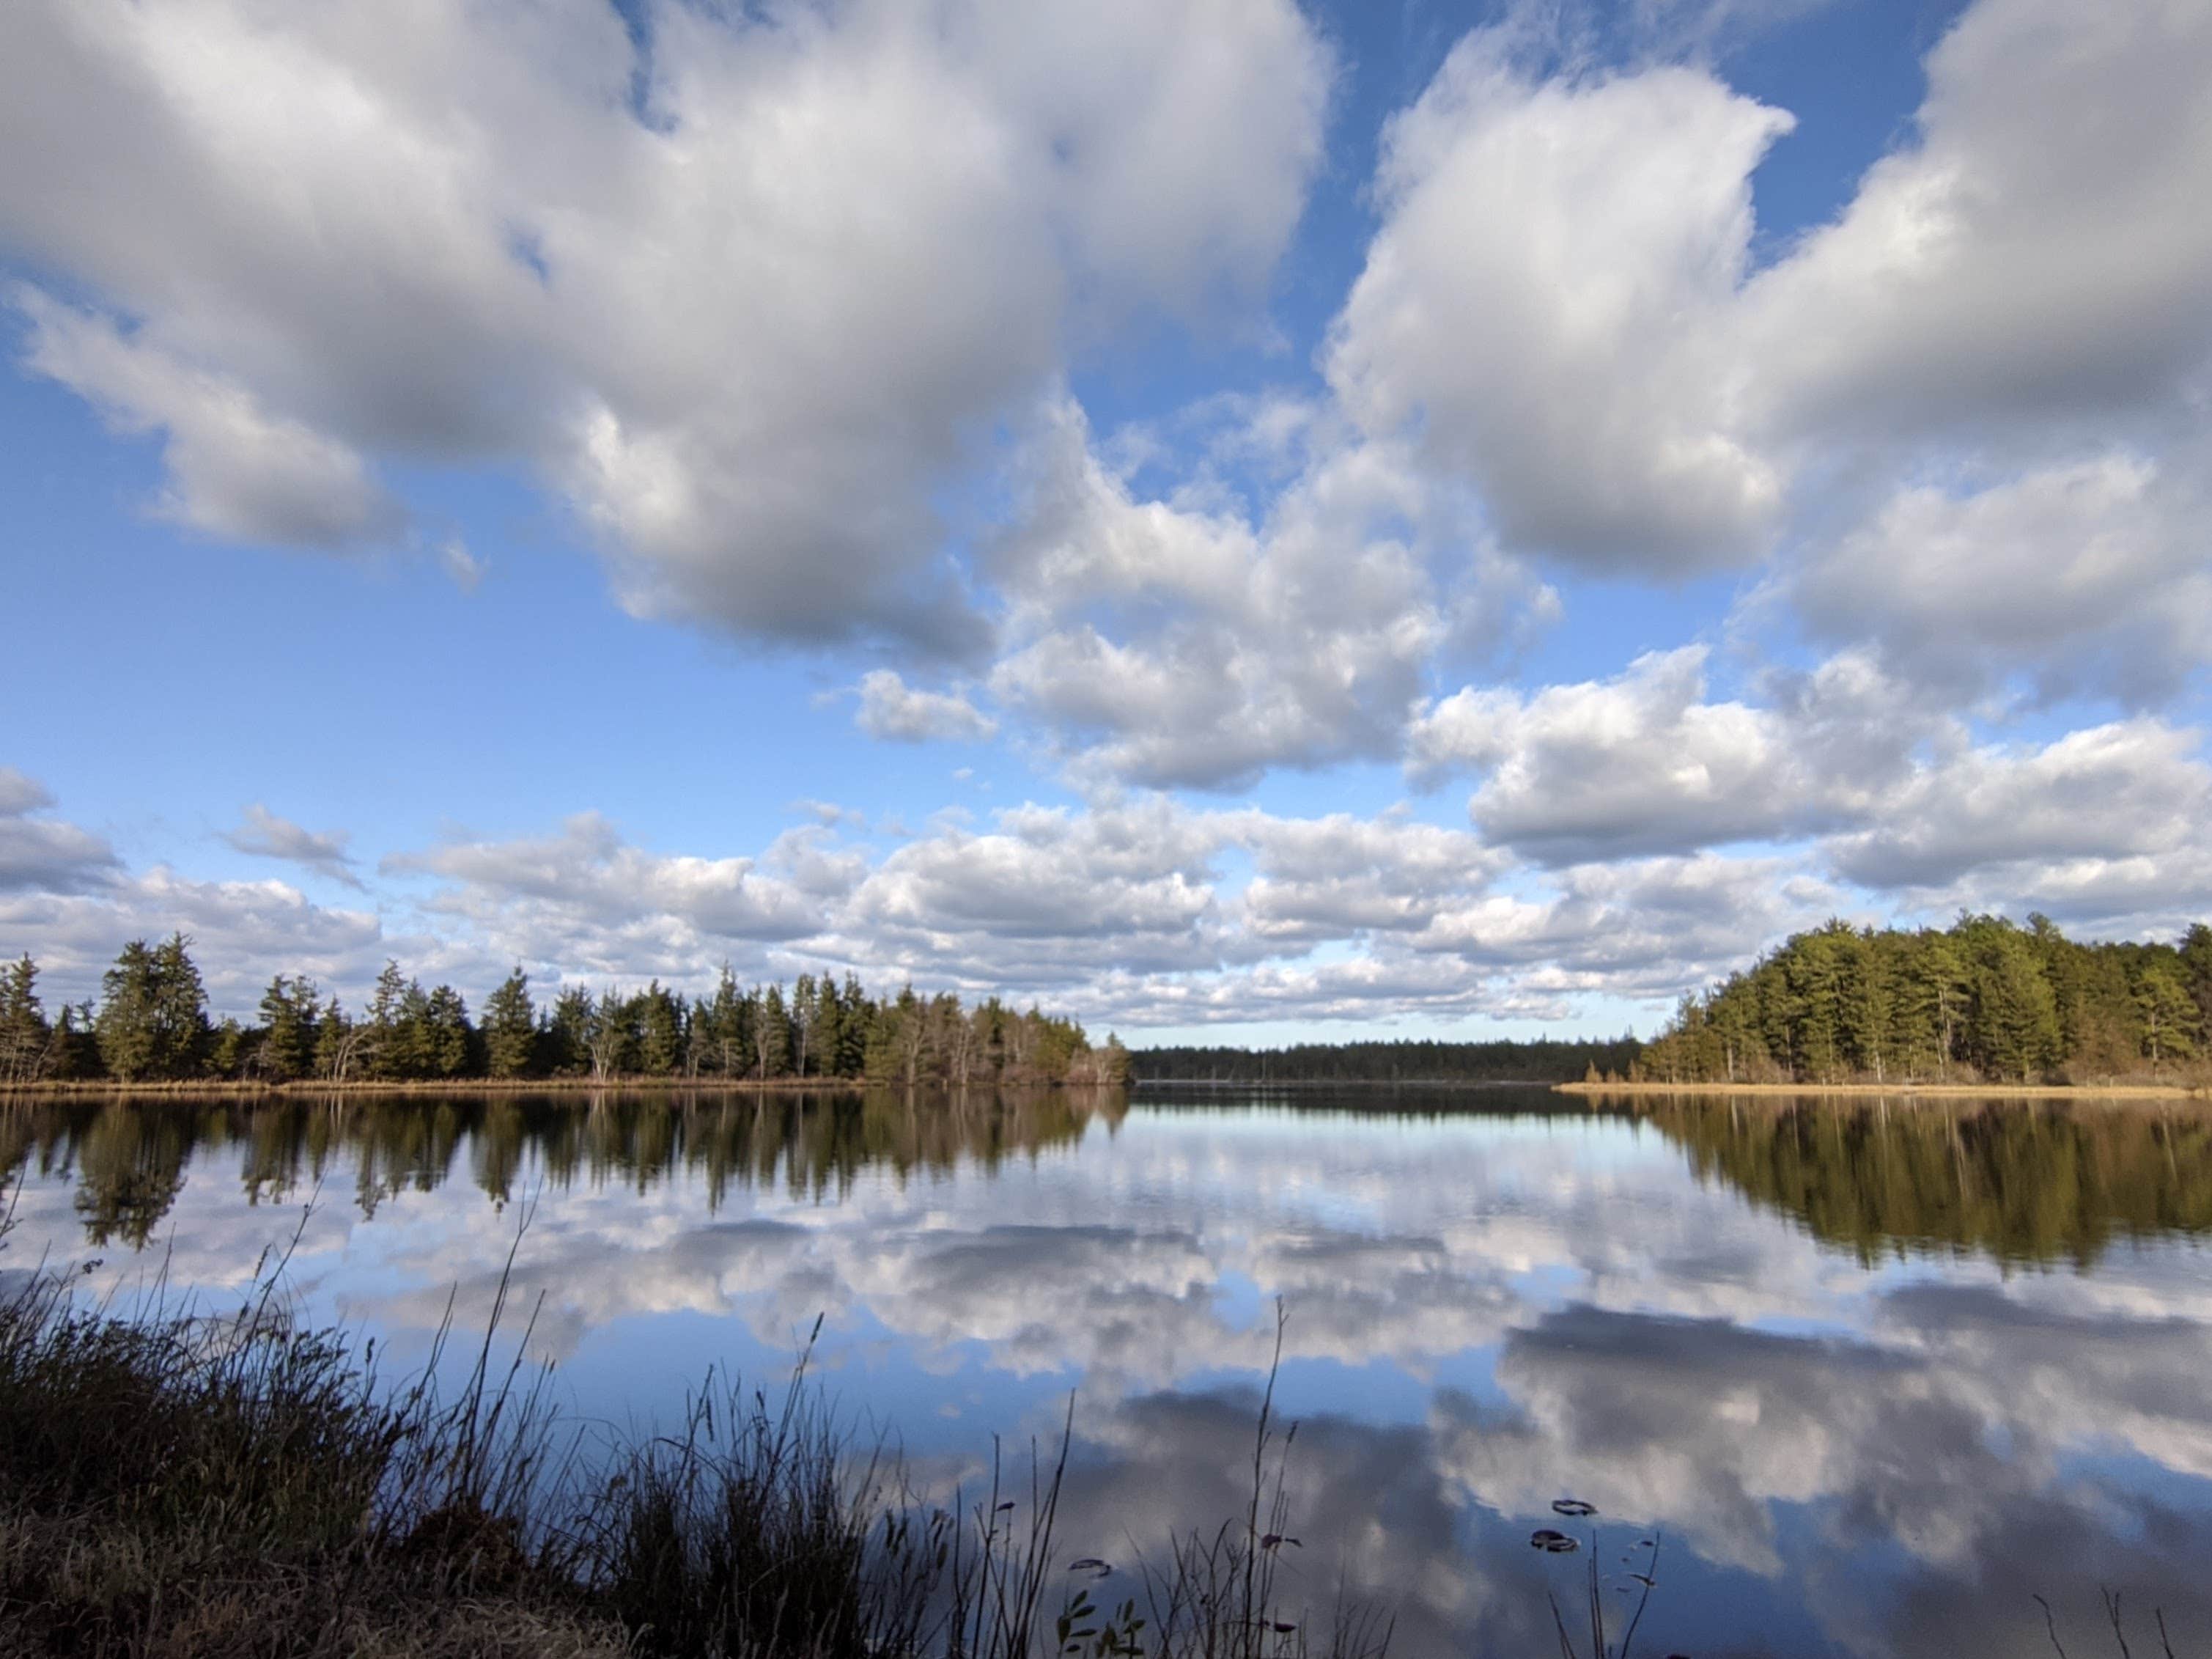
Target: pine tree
153,1015
659,1017
510,1028
24,1036
443,1042
288,1035
771,1036
566,1041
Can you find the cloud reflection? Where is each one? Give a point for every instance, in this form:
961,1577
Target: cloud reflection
1879,1377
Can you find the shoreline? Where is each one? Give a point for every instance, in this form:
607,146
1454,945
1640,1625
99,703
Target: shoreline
49,1089
1975,1090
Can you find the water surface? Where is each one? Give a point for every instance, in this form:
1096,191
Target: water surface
1879,1373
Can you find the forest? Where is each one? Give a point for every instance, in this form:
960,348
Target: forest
1983,1001
152,1024
1406,1060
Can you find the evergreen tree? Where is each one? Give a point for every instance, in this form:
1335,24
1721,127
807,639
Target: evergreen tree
442,1042
510,1028
388,1026
566,1041
289,1038
338,1043
2195,958
771,1034
660,1022
2166,1013
24,1036
153,1016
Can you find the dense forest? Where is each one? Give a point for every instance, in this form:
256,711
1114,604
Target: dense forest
152,1023
1984,1000
1403,1061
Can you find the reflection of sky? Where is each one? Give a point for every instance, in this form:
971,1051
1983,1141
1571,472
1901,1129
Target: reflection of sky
1486,1313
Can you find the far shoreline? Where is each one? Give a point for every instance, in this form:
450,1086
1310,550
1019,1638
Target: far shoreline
1953,1091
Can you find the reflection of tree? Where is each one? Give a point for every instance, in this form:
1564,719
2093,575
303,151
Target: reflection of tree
131,1167
2024,1181
130,1156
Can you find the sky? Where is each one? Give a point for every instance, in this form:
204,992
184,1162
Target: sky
1233,519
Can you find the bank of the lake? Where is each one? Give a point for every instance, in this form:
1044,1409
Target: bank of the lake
1915,1090
314,1089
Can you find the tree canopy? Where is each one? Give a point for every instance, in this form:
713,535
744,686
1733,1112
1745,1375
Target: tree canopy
152,1024
1984,999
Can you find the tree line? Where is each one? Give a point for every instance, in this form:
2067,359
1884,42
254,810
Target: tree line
1404,1060
152,1023
1983,1001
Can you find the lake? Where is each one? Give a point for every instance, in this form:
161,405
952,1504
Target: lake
1877,1374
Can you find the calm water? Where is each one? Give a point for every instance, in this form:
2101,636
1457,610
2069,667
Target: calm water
1879,1373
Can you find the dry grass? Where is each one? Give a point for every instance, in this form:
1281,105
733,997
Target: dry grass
180,1484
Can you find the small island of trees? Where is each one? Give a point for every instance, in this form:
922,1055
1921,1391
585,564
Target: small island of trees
152,1025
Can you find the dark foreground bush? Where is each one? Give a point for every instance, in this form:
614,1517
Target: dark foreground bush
175,1484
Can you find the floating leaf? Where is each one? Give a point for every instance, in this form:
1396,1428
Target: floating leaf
1573,1506
1553,1541
1090,1564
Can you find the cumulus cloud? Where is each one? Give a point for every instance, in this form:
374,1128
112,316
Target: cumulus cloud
44,854
242,933
235,469
2103,825
2088,577
1184,642
263,834
586,902
1643,763
892,710
514,235
1548,301
2003,265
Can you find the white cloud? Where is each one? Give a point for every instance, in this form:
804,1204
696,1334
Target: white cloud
2085,578
263,834
588,904
41,854
1177,642
1643,763
462,568
891,709
2037,251
236,470
2102,824
1548,304
458,234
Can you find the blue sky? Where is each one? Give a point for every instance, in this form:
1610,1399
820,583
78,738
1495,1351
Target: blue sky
1218,515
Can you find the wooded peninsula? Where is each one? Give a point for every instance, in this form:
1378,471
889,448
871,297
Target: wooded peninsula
151,1025
1985,1000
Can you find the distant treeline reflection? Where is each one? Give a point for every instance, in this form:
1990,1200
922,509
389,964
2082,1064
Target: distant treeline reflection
2024,1181
129,1157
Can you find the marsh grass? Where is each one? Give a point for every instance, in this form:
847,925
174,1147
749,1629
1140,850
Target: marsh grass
173,1483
